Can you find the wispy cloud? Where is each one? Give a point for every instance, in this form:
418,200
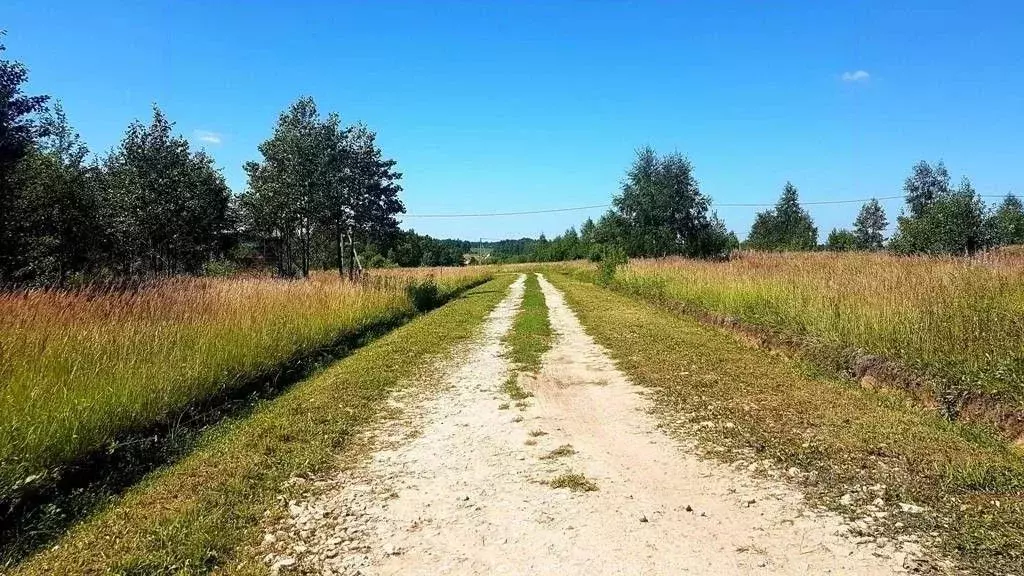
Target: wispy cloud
858,76
207,136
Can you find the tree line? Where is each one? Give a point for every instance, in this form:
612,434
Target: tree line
321,194
661,211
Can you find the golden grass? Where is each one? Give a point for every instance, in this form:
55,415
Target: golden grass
79,370
956,319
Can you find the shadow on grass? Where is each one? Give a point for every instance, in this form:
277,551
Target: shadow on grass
31,521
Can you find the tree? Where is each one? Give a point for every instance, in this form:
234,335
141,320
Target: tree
374,191
1007,222
18,131
869,227
954,222
786,227
925,184
288,190
60,205
661,209
167,205
841,240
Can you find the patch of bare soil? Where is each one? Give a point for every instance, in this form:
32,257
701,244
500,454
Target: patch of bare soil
579,481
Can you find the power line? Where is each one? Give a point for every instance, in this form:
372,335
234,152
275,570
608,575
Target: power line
725,205
522,213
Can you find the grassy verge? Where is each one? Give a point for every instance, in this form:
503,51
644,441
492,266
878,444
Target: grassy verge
953,320
84,372
530,336
196,516
837,438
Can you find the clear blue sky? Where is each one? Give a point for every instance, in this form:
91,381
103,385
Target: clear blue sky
531,105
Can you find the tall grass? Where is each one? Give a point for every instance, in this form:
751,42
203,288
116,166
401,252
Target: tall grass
960,320
78,370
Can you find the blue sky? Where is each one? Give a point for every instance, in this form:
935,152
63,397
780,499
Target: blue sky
493,106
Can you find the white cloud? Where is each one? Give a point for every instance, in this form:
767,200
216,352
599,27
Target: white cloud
207,136
858,76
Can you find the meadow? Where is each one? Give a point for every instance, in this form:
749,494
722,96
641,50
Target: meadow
84,370
958,321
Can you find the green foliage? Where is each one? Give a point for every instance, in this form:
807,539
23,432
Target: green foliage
611,258
378,261
841,240
952,222
424,294
1007,223
925,184
220,267
788,227
167,205
661,210
407,248
869,227
18,130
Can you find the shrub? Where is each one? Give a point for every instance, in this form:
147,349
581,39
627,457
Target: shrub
424,295
611,259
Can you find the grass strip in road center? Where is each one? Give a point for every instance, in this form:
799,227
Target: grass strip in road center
530,336
196,516
745,403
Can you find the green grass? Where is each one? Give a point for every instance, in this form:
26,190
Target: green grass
530,336
514,390
745,403
199,515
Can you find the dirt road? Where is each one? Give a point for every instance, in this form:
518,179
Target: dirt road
461,486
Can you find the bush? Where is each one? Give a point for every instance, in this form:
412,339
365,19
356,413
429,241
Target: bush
378,261
217,268
611,259
424,295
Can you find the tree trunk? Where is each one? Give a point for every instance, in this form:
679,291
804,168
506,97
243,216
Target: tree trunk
352,256
341,251
305,252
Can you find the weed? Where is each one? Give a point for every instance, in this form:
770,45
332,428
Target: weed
514,390
503,406
563,450
574,481
536,433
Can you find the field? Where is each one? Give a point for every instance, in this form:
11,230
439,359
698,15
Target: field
958,322
83,371
540,396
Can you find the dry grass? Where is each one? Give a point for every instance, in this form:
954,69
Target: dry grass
80,370
561,451
958,320
574,481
